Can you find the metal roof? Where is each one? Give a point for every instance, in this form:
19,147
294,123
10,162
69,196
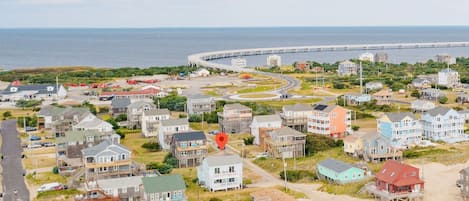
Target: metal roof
163,183
187,136
335,165
219,160
175,122
267,118
120,102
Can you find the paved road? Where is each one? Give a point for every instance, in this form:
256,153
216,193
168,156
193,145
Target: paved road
13,179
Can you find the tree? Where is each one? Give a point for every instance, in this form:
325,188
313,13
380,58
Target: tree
6,114
443,100
113,123
121,134
90,106
121,117
338,85
355,127
172,102
248,140
162,168
170,160
415,93
316,143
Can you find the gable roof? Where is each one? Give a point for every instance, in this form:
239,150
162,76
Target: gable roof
197,96
298,107
465,170
398,116
267,118
335,165
92,123
154,112
392,170
139,104
224,159
438,111
235,106
120,102
40,88
186,136
104,145
76,136
286,131
121,182
175,122
347,62
163,183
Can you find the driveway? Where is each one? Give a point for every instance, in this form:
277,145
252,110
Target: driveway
13,181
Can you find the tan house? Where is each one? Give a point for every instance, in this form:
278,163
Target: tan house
296,116
286,142
383,97
235,118
353,144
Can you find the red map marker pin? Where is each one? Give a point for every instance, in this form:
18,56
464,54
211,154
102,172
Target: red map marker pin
221,140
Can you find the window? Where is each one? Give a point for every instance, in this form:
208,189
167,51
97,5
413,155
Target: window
231,180
231,169
217,170
218,181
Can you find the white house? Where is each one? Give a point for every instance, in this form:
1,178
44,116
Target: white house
371,86
169,127
200,73
151,121
199,104
449,78
367,56
267,122
128,188
274,60
93,123
422,105
238,62
52,92
221,172
443,123
347,68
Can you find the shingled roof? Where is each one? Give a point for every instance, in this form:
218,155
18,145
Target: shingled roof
398,116
335,165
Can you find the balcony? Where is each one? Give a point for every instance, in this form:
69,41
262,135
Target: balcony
108,164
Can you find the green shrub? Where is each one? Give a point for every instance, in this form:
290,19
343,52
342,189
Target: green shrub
296,175
316,143
170,160
215,199
162,168
355,127
248,140
443,100
121,117
6,114
151,146
55,170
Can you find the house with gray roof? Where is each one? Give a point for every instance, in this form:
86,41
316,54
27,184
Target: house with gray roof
431,94
262,123
373,86
296,116
189,148
421,105
93,123
377,148
221,172
119,106
151,121
442,123
167,128
421,83
61,119
401,128
50,92
336,171
69,146
107,159
135,111
199,104
285,142
165,187
235,118
125,188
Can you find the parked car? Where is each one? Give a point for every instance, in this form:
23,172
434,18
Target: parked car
35,145
35,138
30,128
48,144
214,132
50,137
262,155
48,187
24,146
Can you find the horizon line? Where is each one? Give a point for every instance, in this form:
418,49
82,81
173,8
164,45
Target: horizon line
239,27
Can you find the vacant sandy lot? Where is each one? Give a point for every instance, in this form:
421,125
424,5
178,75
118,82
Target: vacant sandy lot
440,181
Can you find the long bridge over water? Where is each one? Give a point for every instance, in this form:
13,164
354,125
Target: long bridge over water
206,59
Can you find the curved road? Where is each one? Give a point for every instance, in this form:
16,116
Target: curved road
14,187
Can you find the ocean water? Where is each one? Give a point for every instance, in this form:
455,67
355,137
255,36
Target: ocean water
21,48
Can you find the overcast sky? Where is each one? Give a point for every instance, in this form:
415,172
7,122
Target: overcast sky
230,13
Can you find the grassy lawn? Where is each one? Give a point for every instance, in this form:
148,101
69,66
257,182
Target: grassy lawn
68,194
351,189
278,104
134,142
44,178
105,116
206,126
18,112
257,89
259,95
212,93
443,153
41,161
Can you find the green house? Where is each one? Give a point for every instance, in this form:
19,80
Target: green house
165,187
339,172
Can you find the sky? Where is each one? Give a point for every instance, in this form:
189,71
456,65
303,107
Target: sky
230,13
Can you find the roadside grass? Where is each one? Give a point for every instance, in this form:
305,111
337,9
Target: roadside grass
236,141
351,189
41,161
104,116
44,178
446,154
278,104
258,95
134,142
68,194
18,112
291,192
260,88
212,93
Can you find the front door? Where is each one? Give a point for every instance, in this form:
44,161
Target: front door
417,188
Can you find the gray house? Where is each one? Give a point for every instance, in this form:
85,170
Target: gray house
126,188
431,94
106,160
377,148
199,103
119,106
463,183
235,118
165,187
135,112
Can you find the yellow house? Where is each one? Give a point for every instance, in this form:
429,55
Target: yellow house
353,144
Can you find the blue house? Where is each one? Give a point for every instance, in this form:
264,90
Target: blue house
339,172
400,128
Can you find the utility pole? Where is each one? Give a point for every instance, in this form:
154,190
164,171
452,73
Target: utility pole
284,171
